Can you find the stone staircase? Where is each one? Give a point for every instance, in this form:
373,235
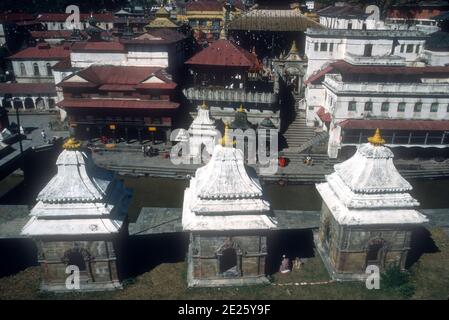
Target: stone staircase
298,133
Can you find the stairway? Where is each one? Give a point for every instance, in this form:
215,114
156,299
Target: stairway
298,133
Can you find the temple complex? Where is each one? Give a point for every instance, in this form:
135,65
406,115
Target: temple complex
226,76
228,222
76,222
368,214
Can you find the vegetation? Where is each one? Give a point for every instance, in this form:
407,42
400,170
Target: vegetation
427,279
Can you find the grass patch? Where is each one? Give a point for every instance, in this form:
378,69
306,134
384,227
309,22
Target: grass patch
429,276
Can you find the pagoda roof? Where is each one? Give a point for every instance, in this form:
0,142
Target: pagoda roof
161,22
224,53
27,88
204,5
117,78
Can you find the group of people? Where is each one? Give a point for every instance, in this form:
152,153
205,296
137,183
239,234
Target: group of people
286,266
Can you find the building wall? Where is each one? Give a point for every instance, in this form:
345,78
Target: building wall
2,35
346,246
86,59
346,48
29,76
101,270
436,58
204,253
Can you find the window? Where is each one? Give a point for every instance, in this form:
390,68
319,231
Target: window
23,70
316,46
368,50
401,107
323,46
447,108
417,48
331,47
36,69
49,71
418,107
369,106
349,25
352,106
402,47
385,107
61,25
409,48
434,107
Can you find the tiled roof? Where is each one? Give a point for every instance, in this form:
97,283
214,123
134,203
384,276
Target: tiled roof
115,103
51,34
15,17
157,36
63,65
98,46
273,20
224,53
27,88
120,77
204,5
44,51
390,124
61,17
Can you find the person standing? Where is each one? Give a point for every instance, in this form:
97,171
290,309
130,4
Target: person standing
285,265
44,136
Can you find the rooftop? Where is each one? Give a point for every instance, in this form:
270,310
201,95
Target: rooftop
43,51
342,12
62,17
204,5
394,124
273,20
98,46
224,53
27,88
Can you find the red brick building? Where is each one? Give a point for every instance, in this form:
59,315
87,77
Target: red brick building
120,102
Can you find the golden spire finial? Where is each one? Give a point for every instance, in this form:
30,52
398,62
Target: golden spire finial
71,144
204,105
241,109
227,141
377,139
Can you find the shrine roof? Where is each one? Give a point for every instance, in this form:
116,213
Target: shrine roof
224,53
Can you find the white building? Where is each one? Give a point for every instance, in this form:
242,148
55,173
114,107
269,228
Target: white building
75,222
228,221
368,214
410,103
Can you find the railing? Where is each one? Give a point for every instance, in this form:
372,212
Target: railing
384,60
336,84
231,95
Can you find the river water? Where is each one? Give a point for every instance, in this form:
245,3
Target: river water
164,192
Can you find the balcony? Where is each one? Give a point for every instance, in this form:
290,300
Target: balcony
229,95
334,83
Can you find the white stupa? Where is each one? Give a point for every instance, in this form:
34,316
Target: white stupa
223,196
367,189
81,199
202,131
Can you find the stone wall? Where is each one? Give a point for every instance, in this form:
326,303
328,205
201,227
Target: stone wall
99,258
205,252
